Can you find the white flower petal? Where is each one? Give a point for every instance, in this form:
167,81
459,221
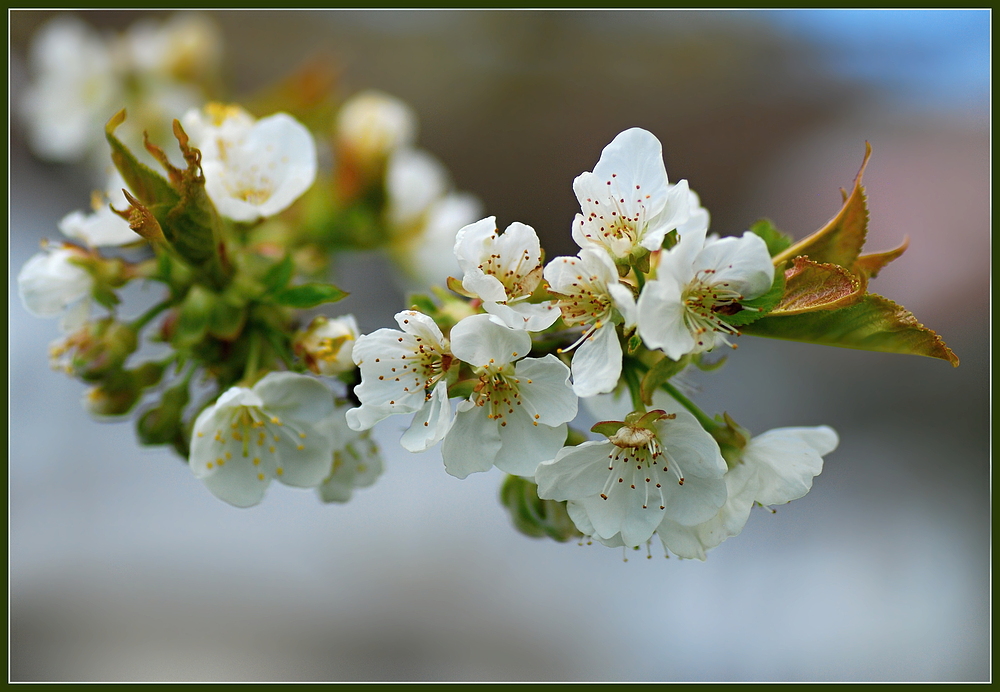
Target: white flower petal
787,459
478,341
675,213
690,446
524,445
661,318
472,443
431,423
530,317
49,282
597,362
698,500
544,388
575,472
742,264
414,180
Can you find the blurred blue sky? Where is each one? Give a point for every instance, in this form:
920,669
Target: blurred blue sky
933,59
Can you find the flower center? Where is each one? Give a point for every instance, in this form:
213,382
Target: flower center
498,390
638,460
259,434
705,302
519,278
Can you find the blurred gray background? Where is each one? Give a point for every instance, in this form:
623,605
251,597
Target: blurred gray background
123,567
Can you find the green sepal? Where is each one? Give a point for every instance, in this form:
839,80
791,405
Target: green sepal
841,239
145,183
661,372
776,241
462,389
872,324
731,438
634,342
671,238
422,303
308,295
533,516
698,360
760,306
607,427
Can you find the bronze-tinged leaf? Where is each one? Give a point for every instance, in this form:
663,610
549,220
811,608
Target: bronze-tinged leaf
141,219
873,323
870,265
813,286
841,239
147,185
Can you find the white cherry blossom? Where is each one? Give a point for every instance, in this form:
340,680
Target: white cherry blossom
405,372
277,429
427,256
372,125
683,311
253,169
504,270
76,89
655,465
627,204
774,468
516,416
52,284
414,180
102,227
591,296
356,460
327,344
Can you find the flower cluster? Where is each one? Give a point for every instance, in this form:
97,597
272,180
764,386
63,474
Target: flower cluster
493,365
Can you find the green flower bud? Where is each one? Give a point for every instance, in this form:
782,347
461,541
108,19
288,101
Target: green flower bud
533,516
95,350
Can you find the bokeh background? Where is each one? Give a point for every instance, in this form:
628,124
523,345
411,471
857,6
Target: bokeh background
123,567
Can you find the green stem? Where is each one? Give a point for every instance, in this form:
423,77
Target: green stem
280,349
634,388
640,279
702,417
253,358
145,318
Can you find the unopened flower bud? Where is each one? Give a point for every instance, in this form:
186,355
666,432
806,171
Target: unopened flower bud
162,424
371,125
535,517
94,350
112,399
327,344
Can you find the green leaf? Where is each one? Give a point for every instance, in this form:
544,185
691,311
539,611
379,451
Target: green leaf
278,276
760,306
841,239
663,370
309,295
811,286
776,240
872,324
146,184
